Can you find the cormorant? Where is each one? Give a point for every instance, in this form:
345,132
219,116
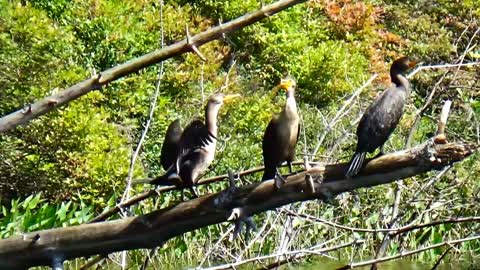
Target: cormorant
281,135
382,116
196,147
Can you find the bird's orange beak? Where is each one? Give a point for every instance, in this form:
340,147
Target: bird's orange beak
412,64
285,84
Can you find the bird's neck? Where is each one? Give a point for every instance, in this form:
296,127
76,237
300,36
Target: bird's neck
211,113
400,81
291,104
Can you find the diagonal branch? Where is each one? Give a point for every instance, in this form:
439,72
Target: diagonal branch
151,230
71,93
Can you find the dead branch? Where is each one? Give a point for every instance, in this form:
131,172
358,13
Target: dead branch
151,230
143,196
190,44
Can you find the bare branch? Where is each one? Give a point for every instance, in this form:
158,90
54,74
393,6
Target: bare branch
471,64
439,260
392,232
143,196
405,229
291,255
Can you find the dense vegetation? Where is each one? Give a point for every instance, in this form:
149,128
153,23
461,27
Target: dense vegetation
71,164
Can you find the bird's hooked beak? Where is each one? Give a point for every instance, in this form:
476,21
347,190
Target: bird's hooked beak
229,98
286,84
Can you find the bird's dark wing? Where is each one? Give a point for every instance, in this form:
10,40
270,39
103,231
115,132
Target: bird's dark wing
271,151
380,119
196,135
171,144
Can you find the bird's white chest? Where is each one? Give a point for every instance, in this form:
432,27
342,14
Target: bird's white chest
205,160
210,149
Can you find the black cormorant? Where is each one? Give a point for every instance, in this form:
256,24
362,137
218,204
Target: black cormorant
382,116
281,135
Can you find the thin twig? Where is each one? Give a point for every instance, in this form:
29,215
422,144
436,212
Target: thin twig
287,253
439,260
418,69
153,106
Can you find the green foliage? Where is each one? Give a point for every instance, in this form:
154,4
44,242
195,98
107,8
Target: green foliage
79,155
34,213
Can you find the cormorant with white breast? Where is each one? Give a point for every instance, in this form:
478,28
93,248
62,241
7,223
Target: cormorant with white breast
281,135
382,116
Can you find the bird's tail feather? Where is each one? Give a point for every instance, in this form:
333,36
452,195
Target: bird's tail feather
162,180
356,164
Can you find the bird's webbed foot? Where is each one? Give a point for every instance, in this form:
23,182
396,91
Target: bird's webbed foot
279,180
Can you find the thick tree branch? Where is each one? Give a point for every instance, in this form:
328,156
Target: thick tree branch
143,196
47,104
151,230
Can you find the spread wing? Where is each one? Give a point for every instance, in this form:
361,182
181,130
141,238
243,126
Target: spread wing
380,119
196,135
171,144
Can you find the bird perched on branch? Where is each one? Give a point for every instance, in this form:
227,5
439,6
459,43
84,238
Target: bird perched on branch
281,135
382,116
195,148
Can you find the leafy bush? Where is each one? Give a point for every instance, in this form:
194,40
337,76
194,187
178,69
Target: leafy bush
35,213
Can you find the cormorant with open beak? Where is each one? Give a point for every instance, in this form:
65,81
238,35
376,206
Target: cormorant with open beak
382,116
281,135
196,147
